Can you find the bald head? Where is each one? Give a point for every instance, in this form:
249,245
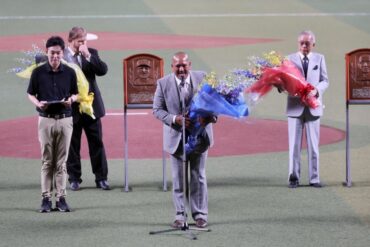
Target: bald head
181,65
179,56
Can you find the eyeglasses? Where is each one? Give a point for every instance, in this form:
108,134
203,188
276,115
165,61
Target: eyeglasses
307,43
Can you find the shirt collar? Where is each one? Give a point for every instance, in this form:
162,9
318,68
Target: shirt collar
302,56
50,69
187,80
72,52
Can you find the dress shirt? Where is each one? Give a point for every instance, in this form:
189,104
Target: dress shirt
186,87
78,56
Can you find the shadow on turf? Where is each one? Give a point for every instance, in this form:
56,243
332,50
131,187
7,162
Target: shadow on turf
263,182
13,187
246,182
294,220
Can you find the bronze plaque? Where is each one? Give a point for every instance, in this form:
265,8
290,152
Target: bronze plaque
141,72
358,75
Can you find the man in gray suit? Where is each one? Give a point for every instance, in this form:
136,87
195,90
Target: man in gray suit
313,68
167,108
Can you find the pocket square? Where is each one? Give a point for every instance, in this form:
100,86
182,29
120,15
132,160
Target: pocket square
316,67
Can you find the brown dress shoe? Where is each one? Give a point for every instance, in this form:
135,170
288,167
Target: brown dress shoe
200,223
177,224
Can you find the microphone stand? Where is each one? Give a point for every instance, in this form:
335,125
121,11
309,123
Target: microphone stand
185,190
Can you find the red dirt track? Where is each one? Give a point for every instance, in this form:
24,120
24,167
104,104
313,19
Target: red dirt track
232,137
132,41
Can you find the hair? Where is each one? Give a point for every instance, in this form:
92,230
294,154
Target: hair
55,41
180,54
76,33
309,33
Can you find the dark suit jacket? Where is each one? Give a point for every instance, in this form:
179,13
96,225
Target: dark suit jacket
96,67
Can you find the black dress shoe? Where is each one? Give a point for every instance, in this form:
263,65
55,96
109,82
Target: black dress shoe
103,184
316,185
74,185
293,184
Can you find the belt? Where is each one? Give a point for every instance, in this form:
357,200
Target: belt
55,116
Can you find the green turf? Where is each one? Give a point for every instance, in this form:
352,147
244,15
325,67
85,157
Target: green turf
249,203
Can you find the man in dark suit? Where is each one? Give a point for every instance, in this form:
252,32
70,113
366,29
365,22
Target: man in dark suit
167,108
301,117
88,59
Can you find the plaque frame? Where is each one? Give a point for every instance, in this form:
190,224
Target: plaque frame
357,81
136,93
357,84
142,88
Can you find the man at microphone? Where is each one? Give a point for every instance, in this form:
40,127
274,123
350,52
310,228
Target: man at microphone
168,108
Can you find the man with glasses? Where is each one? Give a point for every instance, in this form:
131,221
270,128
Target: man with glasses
302,118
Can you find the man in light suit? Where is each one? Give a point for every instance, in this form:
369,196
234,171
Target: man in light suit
167,108
300,117
91,65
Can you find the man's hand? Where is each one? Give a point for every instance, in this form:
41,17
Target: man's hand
42,105
314,93
84,51
68,103
206,120
188,123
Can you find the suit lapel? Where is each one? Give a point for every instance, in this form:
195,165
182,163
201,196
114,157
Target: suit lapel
174,92
296,59
193,82
312,63
68,55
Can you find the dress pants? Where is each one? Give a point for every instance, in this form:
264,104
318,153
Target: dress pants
296,125
55,137
198,185
94,134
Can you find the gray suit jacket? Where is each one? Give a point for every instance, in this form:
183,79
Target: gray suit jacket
167,104
317,76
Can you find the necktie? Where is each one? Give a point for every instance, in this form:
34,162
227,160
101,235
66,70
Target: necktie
185,91
74,59
305,66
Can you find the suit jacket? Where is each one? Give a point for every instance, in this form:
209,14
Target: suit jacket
96,67
167,104
317,76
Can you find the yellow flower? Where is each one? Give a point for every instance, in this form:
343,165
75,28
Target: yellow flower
84,97
273,58
211,79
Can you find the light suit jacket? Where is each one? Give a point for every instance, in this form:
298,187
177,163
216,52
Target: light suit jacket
167,104
317,76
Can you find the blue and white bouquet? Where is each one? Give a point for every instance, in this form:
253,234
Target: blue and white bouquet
218,97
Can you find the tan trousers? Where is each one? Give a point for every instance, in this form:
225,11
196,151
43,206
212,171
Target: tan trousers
55,138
